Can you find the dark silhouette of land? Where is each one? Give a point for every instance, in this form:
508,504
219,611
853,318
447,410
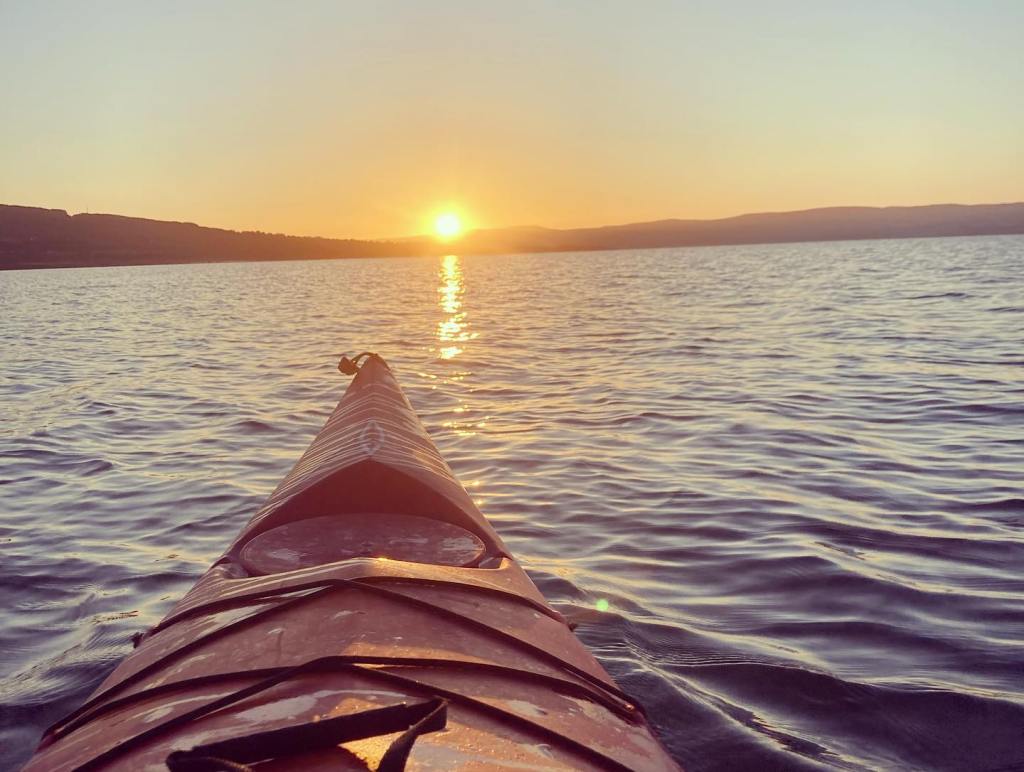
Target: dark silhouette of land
51,238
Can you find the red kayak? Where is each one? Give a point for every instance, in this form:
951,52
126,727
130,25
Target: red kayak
367,617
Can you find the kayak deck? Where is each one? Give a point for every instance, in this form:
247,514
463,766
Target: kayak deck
367,617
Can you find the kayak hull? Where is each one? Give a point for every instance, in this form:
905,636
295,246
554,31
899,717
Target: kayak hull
367,617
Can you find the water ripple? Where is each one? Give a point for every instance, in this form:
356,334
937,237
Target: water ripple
779,489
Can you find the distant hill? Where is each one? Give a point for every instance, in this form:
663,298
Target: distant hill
51,238
829,224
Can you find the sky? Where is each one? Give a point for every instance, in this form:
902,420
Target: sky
366,119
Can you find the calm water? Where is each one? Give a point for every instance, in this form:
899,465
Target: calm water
781,488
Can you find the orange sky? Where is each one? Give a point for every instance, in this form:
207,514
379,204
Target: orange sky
365,119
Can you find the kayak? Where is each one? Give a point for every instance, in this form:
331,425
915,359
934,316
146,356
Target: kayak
367,617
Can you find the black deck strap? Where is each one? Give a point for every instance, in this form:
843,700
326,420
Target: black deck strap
339,664
558,685
237,752
326,587
513,641
261,596
183,719
97,699
397,754
191,715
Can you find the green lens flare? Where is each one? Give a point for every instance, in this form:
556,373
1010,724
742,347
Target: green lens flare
602,604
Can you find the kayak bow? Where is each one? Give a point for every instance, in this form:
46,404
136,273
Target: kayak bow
367,617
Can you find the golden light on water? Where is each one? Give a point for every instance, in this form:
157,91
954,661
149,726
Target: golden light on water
448,225
453,336
453,329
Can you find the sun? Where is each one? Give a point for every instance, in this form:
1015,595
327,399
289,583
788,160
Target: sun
447,225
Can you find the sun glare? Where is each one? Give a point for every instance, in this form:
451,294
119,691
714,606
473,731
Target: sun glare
447,225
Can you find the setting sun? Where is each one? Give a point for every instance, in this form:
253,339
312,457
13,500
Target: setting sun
447,225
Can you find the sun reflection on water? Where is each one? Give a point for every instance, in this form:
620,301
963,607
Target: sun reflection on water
453,335
453,330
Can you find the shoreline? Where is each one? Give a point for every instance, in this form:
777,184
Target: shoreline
141,263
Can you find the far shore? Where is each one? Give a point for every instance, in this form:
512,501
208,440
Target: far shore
32,238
